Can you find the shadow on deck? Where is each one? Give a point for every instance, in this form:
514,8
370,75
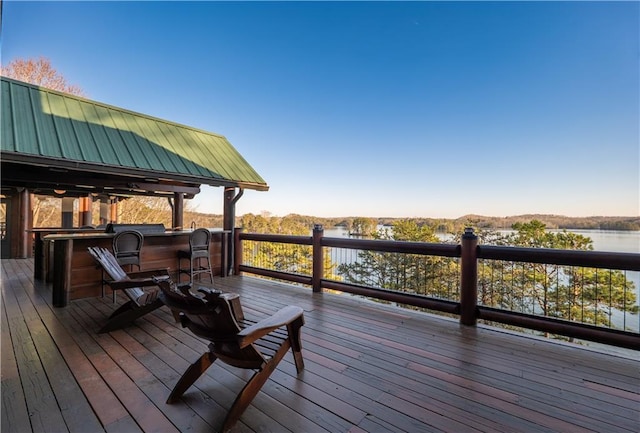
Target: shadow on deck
369,368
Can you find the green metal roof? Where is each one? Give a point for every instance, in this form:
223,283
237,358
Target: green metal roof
53,128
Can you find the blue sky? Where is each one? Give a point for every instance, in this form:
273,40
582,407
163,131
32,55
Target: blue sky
401,109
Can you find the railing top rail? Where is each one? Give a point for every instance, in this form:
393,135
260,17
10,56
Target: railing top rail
592,259
424,248
285,239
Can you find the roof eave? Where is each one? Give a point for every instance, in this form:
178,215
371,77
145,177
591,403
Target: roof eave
59,163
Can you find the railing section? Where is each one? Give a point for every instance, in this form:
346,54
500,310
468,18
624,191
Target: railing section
578,294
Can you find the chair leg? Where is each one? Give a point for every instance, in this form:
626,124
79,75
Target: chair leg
191,271
295,340
251,389
127,313
210,271
176,315
192,374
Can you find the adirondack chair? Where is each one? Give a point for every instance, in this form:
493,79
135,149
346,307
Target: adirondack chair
218,318
140,301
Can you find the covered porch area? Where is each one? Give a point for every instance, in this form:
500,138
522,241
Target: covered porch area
370,367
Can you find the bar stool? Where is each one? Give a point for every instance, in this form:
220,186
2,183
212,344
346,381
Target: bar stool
127,246
199,241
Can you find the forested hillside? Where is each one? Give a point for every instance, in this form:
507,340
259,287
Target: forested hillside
487,222
149,209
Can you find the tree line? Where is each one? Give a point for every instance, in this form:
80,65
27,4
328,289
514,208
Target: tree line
445,225
158,210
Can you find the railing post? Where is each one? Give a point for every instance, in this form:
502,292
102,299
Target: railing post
237,250
469,278
318,258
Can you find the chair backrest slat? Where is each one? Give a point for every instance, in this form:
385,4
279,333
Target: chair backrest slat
109,263
111,266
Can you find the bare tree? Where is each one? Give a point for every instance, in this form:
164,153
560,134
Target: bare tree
39,72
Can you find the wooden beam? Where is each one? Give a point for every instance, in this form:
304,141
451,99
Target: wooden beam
178,211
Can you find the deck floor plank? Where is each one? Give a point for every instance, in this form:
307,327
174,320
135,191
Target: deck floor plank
14,405
44,412
143,410
369,367
75,409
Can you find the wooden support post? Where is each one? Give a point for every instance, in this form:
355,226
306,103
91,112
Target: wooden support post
67,212
237,251
84,211
25,222
104,215
113,211
178,211
318,258
469,278
229,223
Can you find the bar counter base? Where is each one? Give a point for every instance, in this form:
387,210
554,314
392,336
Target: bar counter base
76,275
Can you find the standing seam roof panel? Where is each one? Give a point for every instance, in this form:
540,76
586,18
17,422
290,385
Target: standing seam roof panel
144,143
228,156
88,146
45,129
56,149
51,124
64,129
104,154
119,153
178,164
25,137
6,117
213,151
174,140
217,148
149,130
186,148
130,142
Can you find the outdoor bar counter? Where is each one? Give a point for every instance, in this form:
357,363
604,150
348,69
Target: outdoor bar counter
75,274
41,255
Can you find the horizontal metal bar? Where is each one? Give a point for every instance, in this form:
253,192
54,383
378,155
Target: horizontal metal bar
589,259
583,331
424,248
399,297
282,239
287,276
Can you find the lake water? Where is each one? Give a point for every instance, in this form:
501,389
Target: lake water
603,240
613,240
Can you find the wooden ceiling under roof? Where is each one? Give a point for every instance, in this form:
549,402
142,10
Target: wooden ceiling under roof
53,141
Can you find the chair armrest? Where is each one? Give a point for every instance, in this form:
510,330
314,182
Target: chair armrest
283,317
130,284
148,274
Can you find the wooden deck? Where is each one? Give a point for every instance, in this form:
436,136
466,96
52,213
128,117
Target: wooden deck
369,368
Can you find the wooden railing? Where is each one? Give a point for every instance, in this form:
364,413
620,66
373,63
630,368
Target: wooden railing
469,258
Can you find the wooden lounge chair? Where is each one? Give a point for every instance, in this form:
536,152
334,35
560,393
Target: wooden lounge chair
218,318
140,301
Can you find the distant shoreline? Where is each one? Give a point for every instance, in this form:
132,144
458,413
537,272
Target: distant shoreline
626,223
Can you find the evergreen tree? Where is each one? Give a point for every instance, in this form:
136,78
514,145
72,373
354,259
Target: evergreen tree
411,273
283,257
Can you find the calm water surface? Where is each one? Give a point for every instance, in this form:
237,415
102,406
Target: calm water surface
603,240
